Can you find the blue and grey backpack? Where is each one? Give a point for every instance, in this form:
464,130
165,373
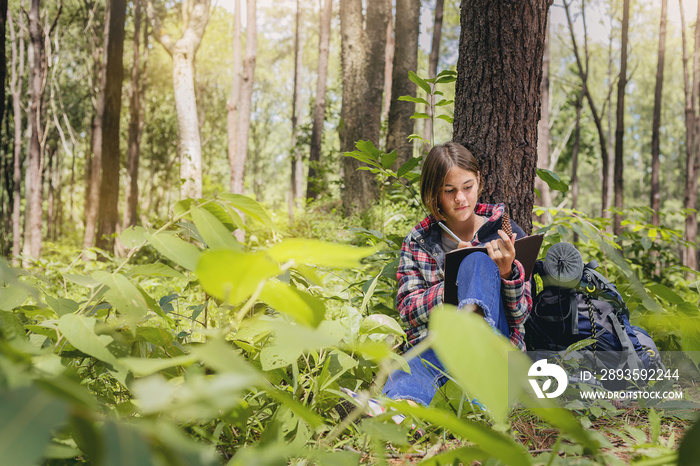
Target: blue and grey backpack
575,302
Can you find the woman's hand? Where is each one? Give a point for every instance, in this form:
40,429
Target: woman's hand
502,251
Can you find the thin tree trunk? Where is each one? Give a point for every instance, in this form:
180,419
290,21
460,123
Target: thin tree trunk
195,15
35,111
296,172
405,60
655,144
574,155
497,97
324,38
543,158
234,102
432,68
16,90
131,215
620,125
3,59
108,213
51,208
389,65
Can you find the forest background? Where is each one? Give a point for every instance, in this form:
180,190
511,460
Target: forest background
141,139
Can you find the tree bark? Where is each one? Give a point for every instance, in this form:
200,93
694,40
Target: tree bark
136,109
195,15
497,97
16,79
432,68
575,151
388,65
3,59
234,102
656,123
296,174
405,59
108,213
38,71
620,122
324,38
362,53
543,158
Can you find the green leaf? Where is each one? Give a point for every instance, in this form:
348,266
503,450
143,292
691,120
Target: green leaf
62,306
122,295
155,269
444,102
689,450
552,180
445,79
123,446
234,276
382,324
80,332
459,333
666,293
155,335
579,345
495,444
314,252
417,100
28,418
655,422
249,207
215,234
292,340
464,455
12,296
141,367
447,118
175,249
133,237
419,116
219,355
336,364
298,304
11,327
408,166
419,81
385,431
389,159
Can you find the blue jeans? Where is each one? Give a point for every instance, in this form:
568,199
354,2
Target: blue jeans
478,282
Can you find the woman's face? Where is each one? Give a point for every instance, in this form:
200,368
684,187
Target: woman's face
459,195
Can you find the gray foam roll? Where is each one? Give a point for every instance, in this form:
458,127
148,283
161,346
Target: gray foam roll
564,265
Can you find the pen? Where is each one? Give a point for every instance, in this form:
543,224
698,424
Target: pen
449,232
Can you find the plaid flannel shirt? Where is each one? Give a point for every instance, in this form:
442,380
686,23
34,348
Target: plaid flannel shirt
421,276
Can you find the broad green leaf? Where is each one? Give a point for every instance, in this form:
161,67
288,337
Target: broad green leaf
155,269
380,323
215,234
62,306
420,116
368,294
314,252
445,79
123,445
336,458
389,159
80,332
495,444
155,335
552,180
11,327
81,280
447,118
579,345
458,334
234,276
464,455
666,293
133,237
655,422
219,355
249,206
408,166
181,252
417,100
313,419
29,417
292,340
298,304
652,233
12,296
419,81
444,102
384,431
689,450
122,295
337,363
142,367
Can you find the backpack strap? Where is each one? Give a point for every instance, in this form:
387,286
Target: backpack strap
633,359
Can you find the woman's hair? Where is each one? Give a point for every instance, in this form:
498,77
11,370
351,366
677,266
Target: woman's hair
441,159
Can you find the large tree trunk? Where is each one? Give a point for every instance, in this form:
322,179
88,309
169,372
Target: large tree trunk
405,60
432,67
38,72
656,123
497,97
388,67
3,60
233,105
362,55
16,90
108,214
195,15
543,158
324,38
247,81
620,123
138,89
296,168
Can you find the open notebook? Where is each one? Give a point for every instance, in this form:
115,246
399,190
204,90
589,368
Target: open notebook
526,251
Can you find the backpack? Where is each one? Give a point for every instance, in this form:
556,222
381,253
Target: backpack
575,303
